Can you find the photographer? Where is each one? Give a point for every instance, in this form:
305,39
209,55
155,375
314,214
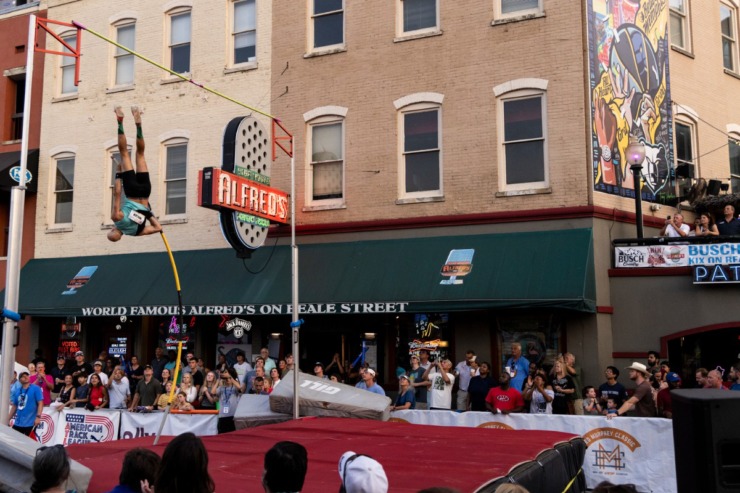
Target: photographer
675,227
228,396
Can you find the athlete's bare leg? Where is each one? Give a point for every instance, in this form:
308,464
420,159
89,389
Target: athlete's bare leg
141,166
122,144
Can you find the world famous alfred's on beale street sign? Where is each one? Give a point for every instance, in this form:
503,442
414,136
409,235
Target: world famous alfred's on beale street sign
240,190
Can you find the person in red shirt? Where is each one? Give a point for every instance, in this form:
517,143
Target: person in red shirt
504,399
665,407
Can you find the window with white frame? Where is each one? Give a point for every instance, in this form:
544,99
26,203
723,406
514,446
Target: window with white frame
179,45
516,8
679,24
17,86
523,141
67,65
419,15
685,143
421,151
125,36
734,145
327,23
684,139
326,177
64,188
244,35
728,25
176,157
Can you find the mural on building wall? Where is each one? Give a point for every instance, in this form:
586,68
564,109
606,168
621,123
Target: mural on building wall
630,94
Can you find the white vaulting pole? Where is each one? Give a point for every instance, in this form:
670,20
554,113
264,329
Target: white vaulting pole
15,233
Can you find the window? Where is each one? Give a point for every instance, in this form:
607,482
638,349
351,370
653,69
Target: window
522,134
176,177
327,20
327,161
734,144
680,23
685,151
245,31
516,8
419,15
421,156
180,42
728,23
126,36
64,189
18,86
67,64
684,139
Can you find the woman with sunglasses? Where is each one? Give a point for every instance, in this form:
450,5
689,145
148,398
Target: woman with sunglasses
228,396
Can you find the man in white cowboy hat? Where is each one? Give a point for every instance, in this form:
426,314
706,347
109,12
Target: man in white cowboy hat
641,402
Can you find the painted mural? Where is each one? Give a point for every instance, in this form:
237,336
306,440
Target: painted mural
630,95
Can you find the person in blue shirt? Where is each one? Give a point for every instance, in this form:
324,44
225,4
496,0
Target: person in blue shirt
369,383
131,217
406,398
26,406
518,366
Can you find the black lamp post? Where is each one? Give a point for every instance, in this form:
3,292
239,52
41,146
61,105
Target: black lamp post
635,156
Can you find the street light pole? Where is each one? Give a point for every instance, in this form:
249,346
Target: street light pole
635,157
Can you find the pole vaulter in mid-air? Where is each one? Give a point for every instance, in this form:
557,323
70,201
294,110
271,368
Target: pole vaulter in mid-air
131,218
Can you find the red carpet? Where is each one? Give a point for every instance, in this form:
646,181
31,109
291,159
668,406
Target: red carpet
413,456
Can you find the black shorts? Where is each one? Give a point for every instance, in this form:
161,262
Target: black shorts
26,430
136,185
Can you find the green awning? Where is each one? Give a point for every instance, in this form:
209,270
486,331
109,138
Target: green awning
515,270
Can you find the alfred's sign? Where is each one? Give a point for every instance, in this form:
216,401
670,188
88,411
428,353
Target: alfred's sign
240,190
219,189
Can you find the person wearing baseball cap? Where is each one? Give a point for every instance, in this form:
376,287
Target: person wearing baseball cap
98,370
641,403
406,398
369,382
318,370
80,367
361,474
663,399
416,377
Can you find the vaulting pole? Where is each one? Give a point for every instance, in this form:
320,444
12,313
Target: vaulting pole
179,343
171,72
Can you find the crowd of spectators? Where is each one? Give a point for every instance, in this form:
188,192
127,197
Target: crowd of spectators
557,388
705,225
428,382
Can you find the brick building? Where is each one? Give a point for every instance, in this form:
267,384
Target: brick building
434,142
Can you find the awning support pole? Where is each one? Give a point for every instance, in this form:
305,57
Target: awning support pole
15,233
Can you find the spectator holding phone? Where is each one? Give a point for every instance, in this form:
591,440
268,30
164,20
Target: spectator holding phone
675,227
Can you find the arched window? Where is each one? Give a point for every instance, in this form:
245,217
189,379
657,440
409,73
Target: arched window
325,176
522,135
420,146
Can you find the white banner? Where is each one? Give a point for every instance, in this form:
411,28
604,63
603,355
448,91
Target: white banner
638,451
47,427
652,256
79,425
675,255
135,425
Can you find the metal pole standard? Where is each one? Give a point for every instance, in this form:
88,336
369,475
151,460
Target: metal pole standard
295,325
637,173
15,233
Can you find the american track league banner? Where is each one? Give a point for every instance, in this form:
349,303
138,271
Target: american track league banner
81,426
136,425
624,450
630,95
